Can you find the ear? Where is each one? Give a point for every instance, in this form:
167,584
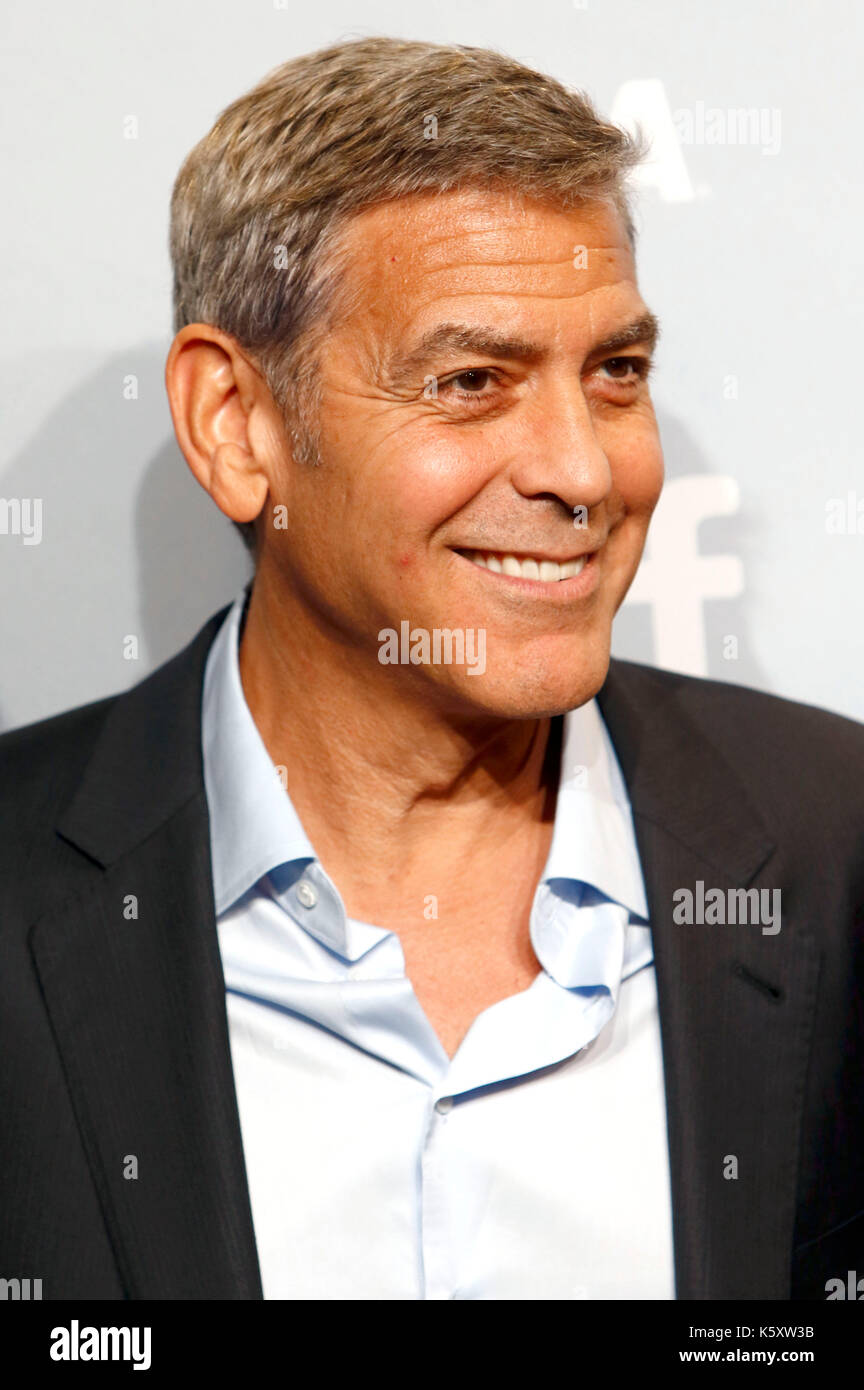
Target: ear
219,402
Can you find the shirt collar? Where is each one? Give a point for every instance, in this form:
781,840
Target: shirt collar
255,830
253,824
592,838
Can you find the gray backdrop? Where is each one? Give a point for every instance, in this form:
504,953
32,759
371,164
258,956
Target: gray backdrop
750,216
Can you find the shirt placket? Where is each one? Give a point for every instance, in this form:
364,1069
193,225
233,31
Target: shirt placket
439,1280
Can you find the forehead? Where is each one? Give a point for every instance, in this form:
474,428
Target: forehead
410,260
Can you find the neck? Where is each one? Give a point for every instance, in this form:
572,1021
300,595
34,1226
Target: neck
379,770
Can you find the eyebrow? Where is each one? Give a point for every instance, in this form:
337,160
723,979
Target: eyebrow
460,337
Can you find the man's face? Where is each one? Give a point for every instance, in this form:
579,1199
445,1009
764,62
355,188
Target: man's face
475,404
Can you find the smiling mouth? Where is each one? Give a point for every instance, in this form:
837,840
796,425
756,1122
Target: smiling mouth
526,566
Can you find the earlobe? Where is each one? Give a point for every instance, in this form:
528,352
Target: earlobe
237,485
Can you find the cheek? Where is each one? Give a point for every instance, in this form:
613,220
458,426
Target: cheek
646,485
637,472
432,479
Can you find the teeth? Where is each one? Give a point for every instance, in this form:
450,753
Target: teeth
572,567
547,571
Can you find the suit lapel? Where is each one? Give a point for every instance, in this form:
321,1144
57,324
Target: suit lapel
132,979
736,1005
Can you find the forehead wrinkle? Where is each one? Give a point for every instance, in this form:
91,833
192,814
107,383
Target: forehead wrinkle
615,248
535,262
423,242
638,311
420,265
491,224
420,218
497,232
538,275
523,294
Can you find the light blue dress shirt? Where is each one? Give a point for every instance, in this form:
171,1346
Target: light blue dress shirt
531,1165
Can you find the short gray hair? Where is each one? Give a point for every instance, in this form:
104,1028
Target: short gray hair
260,202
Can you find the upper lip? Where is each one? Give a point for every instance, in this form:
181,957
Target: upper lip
522,553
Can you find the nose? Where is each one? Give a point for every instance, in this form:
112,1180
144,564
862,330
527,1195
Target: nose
558,454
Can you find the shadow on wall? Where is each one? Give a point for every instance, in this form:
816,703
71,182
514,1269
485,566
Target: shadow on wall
128,544
190,559
131,545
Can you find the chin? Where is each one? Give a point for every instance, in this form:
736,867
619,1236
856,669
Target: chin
523,688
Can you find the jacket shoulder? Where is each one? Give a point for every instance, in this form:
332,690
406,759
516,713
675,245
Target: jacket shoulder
724,698
42,760
40,765
779,747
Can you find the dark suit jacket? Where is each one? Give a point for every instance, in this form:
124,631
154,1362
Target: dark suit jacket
114,1039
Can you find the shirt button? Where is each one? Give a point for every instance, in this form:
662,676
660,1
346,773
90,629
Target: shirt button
306,893
444,1105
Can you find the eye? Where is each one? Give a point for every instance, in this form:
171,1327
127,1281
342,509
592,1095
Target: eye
628,370
468,383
